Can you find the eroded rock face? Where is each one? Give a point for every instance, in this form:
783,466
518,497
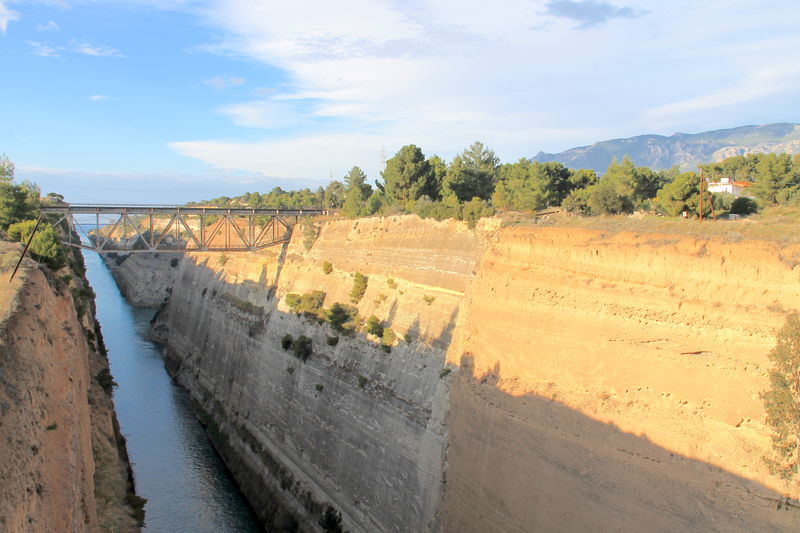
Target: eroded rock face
144,279
63,463
549,379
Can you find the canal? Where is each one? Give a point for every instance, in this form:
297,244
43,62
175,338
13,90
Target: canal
187,486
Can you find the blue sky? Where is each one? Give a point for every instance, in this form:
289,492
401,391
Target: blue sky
172,100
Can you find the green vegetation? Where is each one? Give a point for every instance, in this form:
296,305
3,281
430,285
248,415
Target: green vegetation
391,283
331,521
52,427
327,267
105,380
319,387
137,504
342,317
444,372
310,233
782,401
332,341
362,380
359,287
309,304
302,348
374,326
44,247
287,341
388,336
222,259
429,299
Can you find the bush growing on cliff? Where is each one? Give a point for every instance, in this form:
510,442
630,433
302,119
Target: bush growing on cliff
302,348
105,380
782,401
331,520
374,326
310,233
359,287
309,304
327,267
287,341
44,247
341,317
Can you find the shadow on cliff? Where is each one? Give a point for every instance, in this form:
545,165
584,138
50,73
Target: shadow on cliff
530,463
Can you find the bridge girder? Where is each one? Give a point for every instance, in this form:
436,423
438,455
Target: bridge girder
150,228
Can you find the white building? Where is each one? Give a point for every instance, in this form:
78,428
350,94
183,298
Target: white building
736,188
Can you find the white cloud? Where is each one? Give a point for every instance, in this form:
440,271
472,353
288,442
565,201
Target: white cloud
220,83
6,16
443,73
98,97
44,49
48,26
85,48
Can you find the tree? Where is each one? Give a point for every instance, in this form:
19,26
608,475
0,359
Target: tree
356,193
6,169
44,247
782,401
472,174
776,179
407,176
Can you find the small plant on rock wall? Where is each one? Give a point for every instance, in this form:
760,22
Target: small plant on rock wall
287,341
319,387
359,287
310,233
374,326
429,299
331,520
388,336
332,341
327,267
391,283
222,259
105,380
302,348
341,317
362,380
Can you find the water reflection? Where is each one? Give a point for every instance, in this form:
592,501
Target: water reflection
186,484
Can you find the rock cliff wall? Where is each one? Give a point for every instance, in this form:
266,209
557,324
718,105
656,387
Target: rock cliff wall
63,463
547,379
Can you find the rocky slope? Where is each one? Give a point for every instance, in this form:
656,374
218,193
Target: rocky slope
63,462
686,150
548,379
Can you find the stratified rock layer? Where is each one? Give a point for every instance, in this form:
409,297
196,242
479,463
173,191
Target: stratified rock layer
547,379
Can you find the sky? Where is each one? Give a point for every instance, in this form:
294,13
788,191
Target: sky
165,101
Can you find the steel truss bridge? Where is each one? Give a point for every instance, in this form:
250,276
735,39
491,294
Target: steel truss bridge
156,228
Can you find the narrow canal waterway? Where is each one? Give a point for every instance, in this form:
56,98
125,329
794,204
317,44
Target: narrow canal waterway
185,482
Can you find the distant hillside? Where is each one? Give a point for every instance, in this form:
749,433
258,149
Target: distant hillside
683,149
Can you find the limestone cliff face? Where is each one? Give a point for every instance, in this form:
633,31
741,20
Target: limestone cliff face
63,463
613,381
144,279
599,381
353,427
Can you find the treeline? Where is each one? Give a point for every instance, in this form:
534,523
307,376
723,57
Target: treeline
475,184
19,210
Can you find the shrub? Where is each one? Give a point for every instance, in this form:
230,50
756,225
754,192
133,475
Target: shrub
391,283
331,520
319,387
340,315
105,380
332,341
309,304
310,234
287,341
744,206
362,380
302,348
359,287
429,299
782,402
52,427
444,372
44,247
389,337
327,267
137,504
222,259
374,326
174,262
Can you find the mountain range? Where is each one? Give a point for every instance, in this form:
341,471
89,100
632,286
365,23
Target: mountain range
686,150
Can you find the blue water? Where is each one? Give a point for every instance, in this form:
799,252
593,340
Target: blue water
187,486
